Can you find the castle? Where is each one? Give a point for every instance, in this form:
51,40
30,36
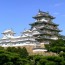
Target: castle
42,31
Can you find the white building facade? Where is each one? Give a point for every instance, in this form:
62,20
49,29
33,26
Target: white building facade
9,40
42,31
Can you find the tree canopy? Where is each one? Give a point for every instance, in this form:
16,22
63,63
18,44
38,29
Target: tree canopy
56,46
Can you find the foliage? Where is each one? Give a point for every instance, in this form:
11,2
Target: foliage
12,56
21,51
56,46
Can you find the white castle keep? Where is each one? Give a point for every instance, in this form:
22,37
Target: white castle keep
42,31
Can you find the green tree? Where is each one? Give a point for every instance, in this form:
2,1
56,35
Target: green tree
56,46
23,52
8,63
50,63
2,48
12,49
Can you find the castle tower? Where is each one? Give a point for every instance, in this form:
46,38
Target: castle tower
8,34
46,28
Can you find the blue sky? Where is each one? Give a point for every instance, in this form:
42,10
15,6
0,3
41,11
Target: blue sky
17,14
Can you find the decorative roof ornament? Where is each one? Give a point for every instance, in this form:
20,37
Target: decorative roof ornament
43,14
39,11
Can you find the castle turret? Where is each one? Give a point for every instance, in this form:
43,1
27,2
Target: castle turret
8,34
47,29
